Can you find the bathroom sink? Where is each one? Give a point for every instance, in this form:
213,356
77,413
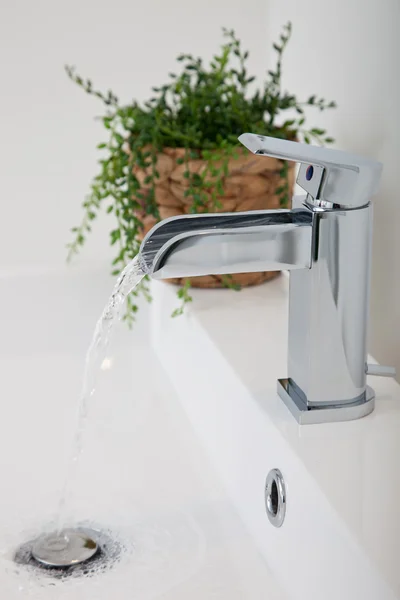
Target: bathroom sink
144,476
341,534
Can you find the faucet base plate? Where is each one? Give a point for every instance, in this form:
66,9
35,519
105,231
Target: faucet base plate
306,415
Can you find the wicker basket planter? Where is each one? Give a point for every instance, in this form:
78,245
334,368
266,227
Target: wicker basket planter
250,184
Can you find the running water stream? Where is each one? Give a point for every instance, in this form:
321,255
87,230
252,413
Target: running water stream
129,279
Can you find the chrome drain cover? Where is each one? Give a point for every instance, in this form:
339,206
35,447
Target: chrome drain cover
91,550
65,548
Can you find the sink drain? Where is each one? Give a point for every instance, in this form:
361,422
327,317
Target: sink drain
275,497
65,549
78,551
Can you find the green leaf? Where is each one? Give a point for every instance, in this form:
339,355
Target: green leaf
115,235
227,281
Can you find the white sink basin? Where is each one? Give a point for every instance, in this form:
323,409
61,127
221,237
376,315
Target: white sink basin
341,535
143,475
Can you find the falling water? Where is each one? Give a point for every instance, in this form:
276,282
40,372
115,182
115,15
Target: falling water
129,279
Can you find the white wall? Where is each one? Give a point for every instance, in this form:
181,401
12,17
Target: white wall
349,51
47,129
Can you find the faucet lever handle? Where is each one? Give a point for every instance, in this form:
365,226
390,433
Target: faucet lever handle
334,179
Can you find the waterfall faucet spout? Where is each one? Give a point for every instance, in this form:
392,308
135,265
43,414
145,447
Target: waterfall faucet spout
214,244
324,240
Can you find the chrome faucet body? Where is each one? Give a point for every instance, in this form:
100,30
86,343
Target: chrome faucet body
325,242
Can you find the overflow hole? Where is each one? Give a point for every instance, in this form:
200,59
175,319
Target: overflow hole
275,497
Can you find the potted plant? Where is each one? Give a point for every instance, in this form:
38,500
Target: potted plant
178,153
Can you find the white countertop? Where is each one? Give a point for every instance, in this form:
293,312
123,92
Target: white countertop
352,466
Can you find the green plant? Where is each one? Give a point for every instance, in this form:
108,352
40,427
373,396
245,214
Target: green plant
203,109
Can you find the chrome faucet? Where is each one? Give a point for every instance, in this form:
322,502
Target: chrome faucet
325,242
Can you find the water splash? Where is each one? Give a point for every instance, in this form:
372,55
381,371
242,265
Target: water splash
129,279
